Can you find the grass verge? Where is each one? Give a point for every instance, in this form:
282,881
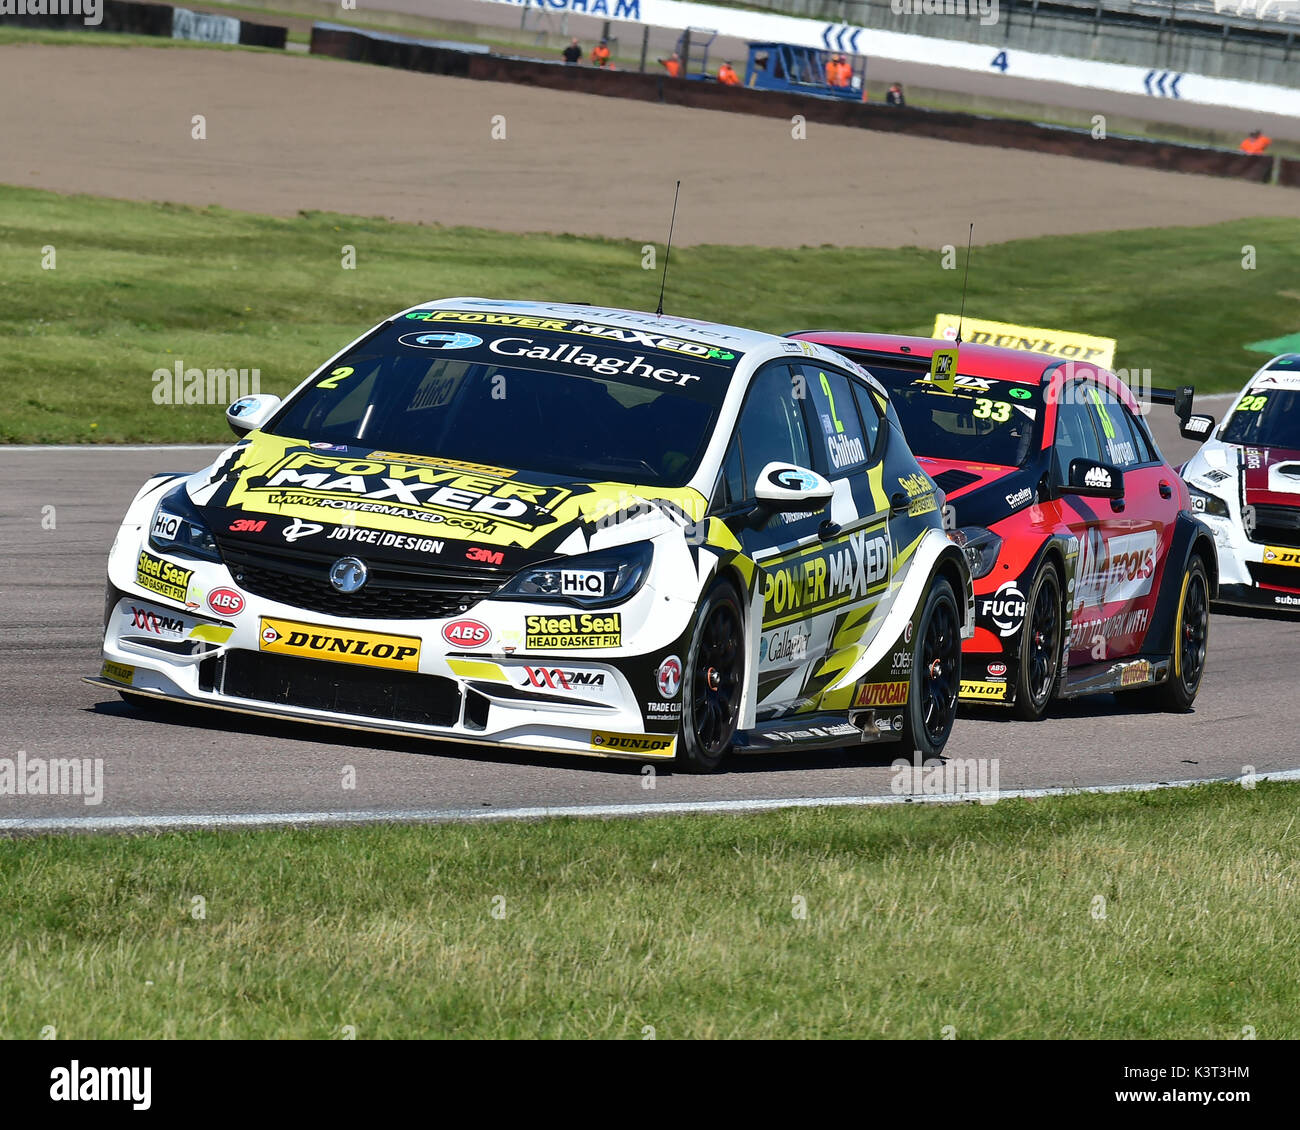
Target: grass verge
136,287
985,919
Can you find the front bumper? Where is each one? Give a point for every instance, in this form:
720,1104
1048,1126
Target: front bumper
508,673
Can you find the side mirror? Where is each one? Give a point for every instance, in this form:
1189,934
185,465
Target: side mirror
1196,427
788,488
1095,480
249,413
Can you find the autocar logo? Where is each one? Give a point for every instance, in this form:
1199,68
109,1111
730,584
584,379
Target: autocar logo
300,529
441,341
669,677
348,574
225,602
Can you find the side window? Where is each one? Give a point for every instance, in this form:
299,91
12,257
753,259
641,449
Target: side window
732,486
1075,436
869,412
833,420
1118,444
771,425
1142,445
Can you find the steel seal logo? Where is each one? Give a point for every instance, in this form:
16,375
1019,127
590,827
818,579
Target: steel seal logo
340,645
567,633
162,577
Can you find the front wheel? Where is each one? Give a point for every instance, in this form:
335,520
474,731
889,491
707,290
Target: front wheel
713,681
936,673
1191,638
1040,646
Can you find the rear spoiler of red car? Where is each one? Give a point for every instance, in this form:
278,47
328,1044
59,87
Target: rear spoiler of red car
1191,425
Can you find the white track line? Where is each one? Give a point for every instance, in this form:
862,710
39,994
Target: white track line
27,448
479,815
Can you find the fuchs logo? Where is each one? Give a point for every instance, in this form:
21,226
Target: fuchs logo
1097,477
1006,608
466,633
669,677
997,670
225,602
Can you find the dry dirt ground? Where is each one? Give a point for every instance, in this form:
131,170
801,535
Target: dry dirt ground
286,133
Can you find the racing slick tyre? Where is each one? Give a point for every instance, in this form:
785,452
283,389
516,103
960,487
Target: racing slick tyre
1191,636
713,681
936,673
1040,646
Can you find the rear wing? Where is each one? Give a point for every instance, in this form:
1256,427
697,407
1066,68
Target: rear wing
1191,425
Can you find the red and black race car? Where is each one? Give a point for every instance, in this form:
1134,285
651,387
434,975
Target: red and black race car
1091,572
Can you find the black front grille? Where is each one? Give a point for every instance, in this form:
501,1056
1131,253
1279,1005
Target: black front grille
391,592
949,481
339,688
1276,525
1281,576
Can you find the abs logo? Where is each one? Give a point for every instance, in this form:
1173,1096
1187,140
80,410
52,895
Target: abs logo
466,633
1006,608
441,341
225,602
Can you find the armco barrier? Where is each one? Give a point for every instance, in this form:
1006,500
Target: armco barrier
133,18
973,129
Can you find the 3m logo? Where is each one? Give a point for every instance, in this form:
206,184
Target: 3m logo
247,526
466,633
647,745
485,556
882,694
340,645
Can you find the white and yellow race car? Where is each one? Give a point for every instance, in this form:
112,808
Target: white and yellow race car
555,527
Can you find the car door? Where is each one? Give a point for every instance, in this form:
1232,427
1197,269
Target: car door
772,428
1140,530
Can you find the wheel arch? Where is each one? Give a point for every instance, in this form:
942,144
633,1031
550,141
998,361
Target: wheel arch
1191,538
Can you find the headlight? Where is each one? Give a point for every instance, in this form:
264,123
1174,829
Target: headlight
1204,503
980,546
593,579
176,527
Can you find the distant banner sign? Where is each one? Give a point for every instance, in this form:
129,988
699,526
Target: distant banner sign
1032,339
205,28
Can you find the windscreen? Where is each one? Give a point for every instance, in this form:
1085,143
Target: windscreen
981,421
567,398
1266,416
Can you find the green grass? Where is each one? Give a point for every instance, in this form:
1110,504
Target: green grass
138,286
58,37
984,919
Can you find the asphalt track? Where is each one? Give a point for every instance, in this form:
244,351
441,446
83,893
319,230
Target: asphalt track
222,769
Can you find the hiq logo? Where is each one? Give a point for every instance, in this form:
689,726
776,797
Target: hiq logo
441,341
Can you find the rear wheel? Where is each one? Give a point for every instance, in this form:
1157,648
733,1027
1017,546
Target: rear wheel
712,682
1191,637
1040,646
936,673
